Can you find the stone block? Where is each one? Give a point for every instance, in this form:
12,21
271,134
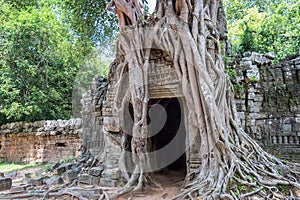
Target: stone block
71,175
270,55
260,59
251,95
18,189
287,128
96,171
62,168
85,178
35,181
5,183
111,124
12,174
106,182
111,173
55,180
96,180
253,73
246,63
255,109
98,191
296,127
260,122
257,103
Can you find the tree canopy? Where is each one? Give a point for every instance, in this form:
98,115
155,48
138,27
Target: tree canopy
39,58
264,26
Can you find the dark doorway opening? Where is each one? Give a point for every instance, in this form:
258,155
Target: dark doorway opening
167,135
166,139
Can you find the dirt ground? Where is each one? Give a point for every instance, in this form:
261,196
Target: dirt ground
170,182
170,185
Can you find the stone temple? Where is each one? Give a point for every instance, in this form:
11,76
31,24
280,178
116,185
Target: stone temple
102,129
277,129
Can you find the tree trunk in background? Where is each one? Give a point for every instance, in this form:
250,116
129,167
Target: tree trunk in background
232,166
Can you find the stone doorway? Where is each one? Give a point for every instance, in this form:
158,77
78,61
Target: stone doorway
166,140
167,136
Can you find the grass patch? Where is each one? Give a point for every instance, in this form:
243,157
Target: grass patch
8,167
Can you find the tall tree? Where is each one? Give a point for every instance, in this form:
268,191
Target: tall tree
39,58
189,33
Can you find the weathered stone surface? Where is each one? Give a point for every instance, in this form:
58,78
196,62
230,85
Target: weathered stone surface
12,174
35,181
111,173
253,73
96,180
71,175
42,141
111,124
270,108
106,182
54,180
270,55
62,168
5,183
96,171
85,178
18,189
98,191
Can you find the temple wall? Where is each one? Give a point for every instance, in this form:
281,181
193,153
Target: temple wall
268,102
41,141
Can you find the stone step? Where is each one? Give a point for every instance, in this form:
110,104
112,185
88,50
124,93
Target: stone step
5,183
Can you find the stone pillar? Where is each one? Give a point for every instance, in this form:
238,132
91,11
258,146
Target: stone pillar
274,139
92,128
285,140
279,139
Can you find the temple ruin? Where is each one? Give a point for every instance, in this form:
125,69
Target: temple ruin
102,133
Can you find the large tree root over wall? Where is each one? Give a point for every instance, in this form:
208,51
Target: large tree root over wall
233,166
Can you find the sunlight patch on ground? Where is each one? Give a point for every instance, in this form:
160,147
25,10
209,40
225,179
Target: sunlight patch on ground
9,167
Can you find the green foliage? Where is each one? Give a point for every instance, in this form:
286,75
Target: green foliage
92,20
231,72
39,58
247,43
45,48
264,26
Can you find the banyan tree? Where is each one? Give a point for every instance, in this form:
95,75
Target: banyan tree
176,53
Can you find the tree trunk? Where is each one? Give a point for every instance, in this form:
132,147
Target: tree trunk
232,166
